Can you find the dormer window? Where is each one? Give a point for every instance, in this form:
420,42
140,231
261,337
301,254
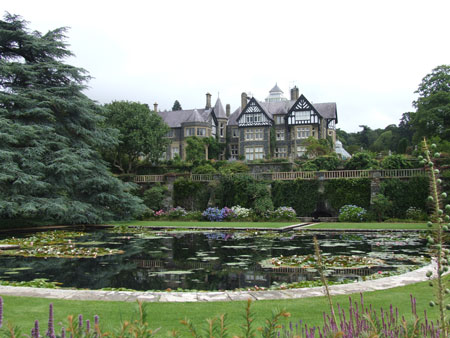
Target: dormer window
302,115
253,118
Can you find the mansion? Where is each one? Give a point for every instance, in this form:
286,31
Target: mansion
276,127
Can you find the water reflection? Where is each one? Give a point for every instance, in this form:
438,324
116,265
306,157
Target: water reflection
210,260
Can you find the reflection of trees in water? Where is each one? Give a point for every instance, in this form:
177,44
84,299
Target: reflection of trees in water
146,263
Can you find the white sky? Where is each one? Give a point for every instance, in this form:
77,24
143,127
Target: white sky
367,56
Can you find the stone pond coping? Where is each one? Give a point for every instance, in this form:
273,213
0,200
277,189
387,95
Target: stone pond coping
131,296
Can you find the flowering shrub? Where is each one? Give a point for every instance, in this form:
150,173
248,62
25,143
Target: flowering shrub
176,212
159,213
352,213
218,215
284,213
415,214
241,212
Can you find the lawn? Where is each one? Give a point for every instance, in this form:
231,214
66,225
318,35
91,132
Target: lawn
197,224
366,226
23,311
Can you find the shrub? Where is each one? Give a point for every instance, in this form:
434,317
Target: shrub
218,215
352,213
348,191
381,206
302,195
177,212
263,207
415,214
287,213
204,169
190,195
360,161
153,198
194,216
241,213
395,162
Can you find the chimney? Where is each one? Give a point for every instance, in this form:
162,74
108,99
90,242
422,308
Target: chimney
155,107
228,108
208,100
243,100
294,94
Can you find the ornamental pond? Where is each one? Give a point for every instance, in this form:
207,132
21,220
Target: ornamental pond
140,259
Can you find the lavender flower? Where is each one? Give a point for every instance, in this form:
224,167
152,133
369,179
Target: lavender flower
51,328
1,311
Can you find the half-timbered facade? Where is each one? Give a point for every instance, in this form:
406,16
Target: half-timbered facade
278,127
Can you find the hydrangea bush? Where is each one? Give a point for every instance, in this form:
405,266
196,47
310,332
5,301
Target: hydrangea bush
218,215
284,213
177,212
241,212
352,213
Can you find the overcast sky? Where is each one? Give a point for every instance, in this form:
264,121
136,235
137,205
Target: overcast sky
367,56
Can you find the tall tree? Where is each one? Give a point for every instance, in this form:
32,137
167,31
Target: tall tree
49,167
432,117
141,135
176,105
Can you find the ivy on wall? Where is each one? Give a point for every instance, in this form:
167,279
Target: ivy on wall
302,195
341,192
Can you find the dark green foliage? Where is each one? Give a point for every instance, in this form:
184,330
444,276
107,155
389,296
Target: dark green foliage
50,169
215,148
241,189
204,169
406,193
360,161
234,168
327,162
195,149
190,195
176,105
302,195
433,105
342,192
402,145
153,198
141,135
381,207
395,162
315,147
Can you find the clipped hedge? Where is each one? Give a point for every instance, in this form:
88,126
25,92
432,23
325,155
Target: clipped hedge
341,192
190,195
302,195
405,194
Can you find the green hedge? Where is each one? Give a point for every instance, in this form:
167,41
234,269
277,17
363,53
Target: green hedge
406,193
342,192
190,195
302,195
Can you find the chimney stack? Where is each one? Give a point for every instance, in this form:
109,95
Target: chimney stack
243,100
228,109
294,94
155,107
208,100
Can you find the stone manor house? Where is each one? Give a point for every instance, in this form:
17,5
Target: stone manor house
249,131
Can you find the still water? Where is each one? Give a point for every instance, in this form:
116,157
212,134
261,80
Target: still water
210,260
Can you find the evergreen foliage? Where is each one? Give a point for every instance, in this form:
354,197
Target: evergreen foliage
406,194
361,161
302,195
50,169
141,136
342,192
154,197
176,105
190,195
395,162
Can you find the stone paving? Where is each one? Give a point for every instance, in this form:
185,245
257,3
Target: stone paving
129,296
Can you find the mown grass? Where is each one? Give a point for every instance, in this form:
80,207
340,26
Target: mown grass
23,310
365,226
197,224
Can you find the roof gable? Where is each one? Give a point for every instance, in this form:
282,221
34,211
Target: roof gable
253,107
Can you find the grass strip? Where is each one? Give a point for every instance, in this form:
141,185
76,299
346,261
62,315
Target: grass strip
371,226
197,224
23,311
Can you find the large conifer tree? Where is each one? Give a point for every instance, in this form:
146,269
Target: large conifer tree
49,165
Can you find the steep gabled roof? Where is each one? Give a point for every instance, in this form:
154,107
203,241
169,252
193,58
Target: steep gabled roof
276,89
195,117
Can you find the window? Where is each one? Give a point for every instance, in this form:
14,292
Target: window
254,134
234,151
170,133
302,115
175,152
280,134
201,131
235,132
222,128
254,153
301,151
303,132
279,119
189,132
253,118
280,152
